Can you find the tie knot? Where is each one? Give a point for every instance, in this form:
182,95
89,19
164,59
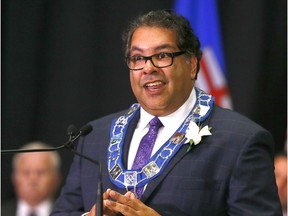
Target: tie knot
156,122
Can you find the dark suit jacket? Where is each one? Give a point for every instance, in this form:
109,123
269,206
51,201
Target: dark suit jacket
228,173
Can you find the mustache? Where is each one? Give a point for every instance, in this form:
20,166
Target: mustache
152,78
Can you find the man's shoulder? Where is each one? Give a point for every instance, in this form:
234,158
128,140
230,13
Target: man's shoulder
233,128
107,119
230,119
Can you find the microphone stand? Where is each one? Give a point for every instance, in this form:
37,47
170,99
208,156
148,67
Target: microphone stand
69,145
99,202
66,145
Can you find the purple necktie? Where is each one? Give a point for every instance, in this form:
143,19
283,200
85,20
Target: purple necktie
145,148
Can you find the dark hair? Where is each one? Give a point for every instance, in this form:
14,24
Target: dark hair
280,154
186,39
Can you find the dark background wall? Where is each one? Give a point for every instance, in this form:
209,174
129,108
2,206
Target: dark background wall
62,63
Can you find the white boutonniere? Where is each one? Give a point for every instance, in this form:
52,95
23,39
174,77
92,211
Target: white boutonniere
194,134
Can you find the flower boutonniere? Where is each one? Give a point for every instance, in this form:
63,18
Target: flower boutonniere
194,134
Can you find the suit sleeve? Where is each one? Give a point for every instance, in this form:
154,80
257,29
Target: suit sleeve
254,166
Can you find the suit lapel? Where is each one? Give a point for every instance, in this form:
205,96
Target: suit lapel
126,145
128,138
151,186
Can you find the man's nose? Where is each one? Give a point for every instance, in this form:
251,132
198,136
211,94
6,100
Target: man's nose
149,67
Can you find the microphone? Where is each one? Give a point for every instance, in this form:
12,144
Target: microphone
71,131
86,129
73,134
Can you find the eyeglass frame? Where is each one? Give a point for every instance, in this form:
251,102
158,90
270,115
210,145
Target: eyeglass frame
146,58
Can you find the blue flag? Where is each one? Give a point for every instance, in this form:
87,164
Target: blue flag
204,20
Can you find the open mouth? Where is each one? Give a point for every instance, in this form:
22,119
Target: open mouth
154,85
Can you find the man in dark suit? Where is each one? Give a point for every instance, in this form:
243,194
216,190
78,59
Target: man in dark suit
205,160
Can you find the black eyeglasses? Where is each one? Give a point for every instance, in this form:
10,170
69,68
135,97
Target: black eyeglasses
159,60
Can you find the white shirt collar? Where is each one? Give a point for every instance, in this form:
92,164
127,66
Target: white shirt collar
43,209
178,116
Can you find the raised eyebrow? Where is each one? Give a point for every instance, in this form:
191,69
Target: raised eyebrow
135,49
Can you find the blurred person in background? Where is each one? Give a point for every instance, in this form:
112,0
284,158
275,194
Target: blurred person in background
280,163
36,179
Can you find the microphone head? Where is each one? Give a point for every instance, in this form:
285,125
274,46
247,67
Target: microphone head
72,130
86,129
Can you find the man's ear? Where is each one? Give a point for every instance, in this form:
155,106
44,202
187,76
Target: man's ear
193,64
